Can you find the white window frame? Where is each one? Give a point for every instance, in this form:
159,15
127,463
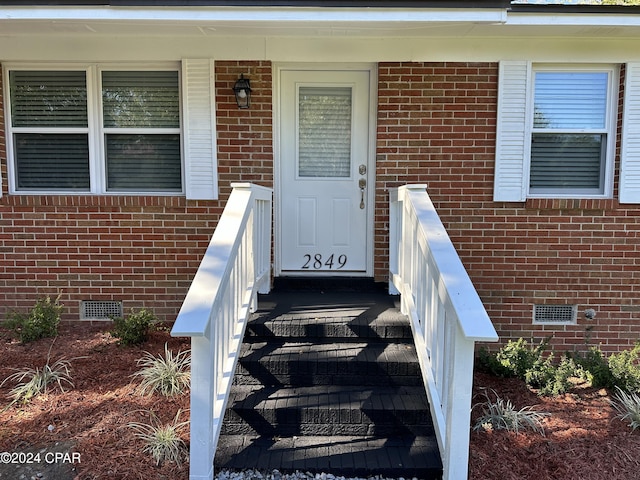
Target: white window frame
95,130
609,130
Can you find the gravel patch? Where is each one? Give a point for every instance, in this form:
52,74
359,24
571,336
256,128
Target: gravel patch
251,474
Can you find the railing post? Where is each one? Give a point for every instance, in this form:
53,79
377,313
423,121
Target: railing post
203,393
458,411
395,225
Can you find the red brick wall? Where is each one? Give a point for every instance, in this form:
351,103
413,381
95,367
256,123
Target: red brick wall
142,250
436,125
245,147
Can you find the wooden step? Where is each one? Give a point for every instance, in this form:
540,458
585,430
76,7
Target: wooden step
349,456
328,381
327,410
307,364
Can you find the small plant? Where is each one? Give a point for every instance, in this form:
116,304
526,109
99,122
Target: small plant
134,328
168,374
516,358
40,322
595,368
500,414
162,441
625,369
628,407
554,379
35,381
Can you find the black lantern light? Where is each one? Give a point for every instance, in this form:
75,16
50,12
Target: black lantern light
242,89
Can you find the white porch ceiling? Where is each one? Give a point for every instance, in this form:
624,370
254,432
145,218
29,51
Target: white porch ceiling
309,22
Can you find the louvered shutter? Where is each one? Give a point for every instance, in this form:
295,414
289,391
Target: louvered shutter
199,129
629,191
510,178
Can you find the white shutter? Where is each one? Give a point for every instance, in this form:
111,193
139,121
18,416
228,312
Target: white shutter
201,173
630,150
510,178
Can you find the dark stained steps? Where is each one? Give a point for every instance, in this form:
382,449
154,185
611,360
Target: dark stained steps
328,381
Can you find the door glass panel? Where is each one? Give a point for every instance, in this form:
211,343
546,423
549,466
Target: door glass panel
324,132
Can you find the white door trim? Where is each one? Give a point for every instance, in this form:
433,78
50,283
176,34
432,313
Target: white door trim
371,167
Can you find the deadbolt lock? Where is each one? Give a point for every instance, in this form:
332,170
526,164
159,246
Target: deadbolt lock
362,169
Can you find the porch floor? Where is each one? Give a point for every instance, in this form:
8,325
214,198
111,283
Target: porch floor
328,381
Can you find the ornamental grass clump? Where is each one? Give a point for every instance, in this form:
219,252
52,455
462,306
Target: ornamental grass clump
32,382
500,414
162,441
168,375
628,407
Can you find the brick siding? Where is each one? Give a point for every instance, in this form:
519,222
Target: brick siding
143,250
436,125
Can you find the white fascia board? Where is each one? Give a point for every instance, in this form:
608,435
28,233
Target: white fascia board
576,20
246,15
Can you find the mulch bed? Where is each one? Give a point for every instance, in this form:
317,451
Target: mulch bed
583,438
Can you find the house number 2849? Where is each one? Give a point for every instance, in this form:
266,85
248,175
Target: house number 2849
316,262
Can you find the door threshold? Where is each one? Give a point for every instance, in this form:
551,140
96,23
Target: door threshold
329,283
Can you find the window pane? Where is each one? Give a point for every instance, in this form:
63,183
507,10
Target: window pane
143,162
325,132
52,161
570,100
567,161
48,99
140,99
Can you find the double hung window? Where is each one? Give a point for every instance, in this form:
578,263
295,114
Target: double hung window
571,132
95,130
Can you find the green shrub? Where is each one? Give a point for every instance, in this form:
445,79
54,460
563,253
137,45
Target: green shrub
558,381
515,359
488,362
595,368
625,369
531,364
134,328
40,322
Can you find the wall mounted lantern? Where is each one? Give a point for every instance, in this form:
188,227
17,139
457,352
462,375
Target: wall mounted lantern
242,89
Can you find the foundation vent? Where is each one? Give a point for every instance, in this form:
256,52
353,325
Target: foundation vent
555,314
100,310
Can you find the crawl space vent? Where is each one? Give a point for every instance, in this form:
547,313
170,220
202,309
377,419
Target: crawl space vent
100,310
555,314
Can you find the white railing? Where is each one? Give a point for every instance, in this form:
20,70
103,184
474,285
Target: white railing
235,268
447,317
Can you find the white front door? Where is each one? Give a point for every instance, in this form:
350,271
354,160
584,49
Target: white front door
324,206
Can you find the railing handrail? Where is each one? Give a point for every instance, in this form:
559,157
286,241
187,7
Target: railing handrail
195,314
446,314
458,287
235,268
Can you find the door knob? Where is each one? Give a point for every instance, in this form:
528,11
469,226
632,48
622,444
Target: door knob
362,183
